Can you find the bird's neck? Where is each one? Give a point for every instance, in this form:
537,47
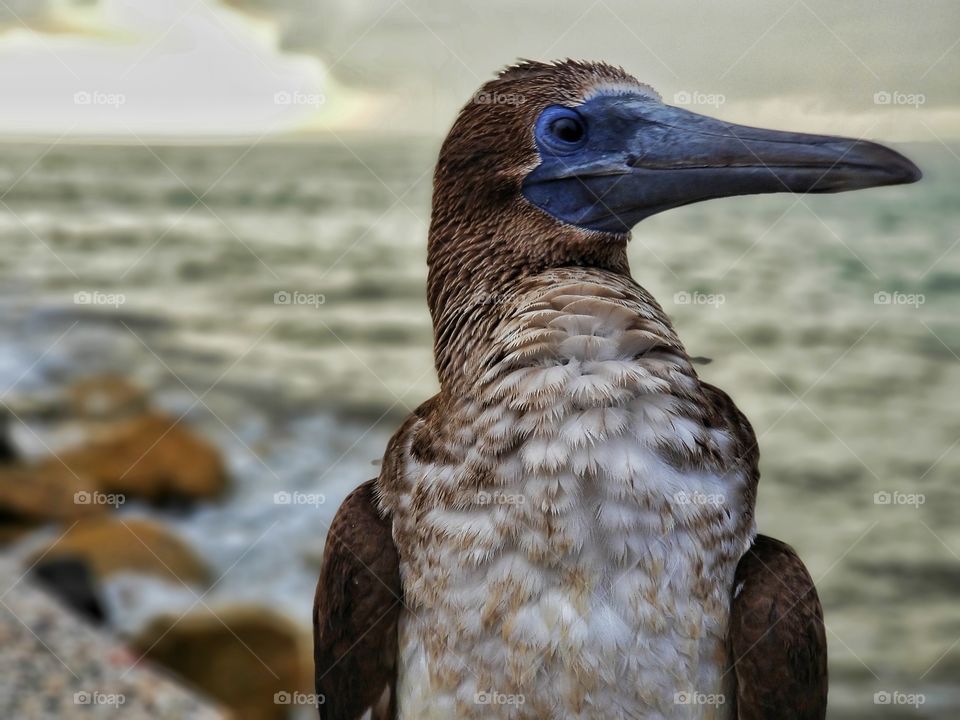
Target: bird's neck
474,267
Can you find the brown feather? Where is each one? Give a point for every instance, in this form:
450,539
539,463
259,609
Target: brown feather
356,610
777,638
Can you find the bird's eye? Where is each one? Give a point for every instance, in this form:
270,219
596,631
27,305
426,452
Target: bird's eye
567,129
561,129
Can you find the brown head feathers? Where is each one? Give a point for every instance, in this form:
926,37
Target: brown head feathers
484,235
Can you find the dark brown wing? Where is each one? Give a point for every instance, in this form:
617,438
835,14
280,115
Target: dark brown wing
777,638
355,613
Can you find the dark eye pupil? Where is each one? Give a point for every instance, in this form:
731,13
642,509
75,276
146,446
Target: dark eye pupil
567,129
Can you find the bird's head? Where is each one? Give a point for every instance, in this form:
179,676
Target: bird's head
552,164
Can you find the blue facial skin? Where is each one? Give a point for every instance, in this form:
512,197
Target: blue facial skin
617,158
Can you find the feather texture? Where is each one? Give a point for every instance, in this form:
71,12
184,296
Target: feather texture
567,522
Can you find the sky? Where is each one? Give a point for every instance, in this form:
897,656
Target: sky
134,69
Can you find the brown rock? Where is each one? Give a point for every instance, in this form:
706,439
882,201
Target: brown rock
31,495
71,580
12,529
113,544
241,656
154,457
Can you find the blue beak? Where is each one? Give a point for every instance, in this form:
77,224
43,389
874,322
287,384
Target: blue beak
640,157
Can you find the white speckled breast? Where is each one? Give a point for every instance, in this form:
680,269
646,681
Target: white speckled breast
573,553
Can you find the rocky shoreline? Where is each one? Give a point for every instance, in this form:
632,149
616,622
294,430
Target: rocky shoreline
53,664
67,540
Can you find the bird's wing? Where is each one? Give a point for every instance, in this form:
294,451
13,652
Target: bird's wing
355,613
777,639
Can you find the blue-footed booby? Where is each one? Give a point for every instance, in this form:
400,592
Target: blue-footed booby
566,530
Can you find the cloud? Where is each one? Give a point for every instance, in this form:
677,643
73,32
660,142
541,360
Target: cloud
152,69
751,51
214,67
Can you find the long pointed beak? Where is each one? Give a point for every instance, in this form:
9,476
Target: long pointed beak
653,157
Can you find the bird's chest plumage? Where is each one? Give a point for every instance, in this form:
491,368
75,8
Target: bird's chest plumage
568,551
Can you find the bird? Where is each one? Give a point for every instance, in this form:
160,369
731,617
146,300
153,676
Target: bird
567,529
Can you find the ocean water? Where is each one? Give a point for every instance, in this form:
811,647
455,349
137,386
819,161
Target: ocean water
274,294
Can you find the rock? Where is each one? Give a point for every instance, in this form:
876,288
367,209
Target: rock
12,529
8,453
53,665
32,495
72,582
241,656
45,491
109,545
152,456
